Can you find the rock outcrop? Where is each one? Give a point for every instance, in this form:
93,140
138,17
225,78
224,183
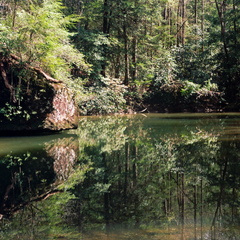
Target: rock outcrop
31,100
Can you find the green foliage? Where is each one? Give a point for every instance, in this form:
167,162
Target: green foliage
193,64
75,178
94,45
12,112
7,39
40,37
165,69
148,45
102,100
137,165
190,88
224,39
161,157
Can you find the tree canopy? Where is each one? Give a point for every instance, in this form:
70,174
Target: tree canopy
163,51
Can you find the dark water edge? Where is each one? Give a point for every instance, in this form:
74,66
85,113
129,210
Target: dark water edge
143,176
27,133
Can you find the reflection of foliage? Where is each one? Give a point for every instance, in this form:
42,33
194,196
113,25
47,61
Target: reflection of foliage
77,177
51,217
20,174
149,171
133,161
40,220
108,132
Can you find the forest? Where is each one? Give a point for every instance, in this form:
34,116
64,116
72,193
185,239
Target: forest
125,55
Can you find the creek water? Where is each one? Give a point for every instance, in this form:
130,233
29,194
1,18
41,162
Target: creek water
143,176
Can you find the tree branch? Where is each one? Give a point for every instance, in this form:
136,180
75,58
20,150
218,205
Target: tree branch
38,70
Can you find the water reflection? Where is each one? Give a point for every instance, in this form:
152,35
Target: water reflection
132,177
32,167
65,153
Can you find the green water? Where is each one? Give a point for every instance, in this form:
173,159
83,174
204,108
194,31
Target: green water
146,176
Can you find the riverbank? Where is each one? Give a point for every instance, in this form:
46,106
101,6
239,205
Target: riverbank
118,98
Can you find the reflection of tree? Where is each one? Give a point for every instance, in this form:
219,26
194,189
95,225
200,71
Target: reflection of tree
225,183
137,174
149,177
29,176
23,176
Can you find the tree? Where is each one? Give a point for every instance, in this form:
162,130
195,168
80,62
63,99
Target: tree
224,32
37,34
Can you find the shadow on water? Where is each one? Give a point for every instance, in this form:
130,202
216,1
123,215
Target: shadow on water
154,176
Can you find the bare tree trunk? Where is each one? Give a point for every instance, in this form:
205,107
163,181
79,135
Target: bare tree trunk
234,22
6,82
117,66
126,63
183,21
127,156
201,210
14,13
170,21
195,210
221,12
134,167
183,198
106,30
223,173
202,23
106,194
195,11
134,58
178,24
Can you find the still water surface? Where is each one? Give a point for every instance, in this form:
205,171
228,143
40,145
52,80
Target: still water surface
151,176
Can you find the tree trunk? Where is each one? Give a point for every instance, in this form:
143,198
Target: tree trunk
195,210
183,21
183,198
195,11
126,63
7,84
106,194
14,13
127,156
106,30
222,24
170,22
178,24
223,173
201,207
202,23
134,58
234,22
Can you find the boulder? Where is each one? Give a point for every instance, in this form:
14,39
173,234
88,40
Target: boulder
64,113
31,100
